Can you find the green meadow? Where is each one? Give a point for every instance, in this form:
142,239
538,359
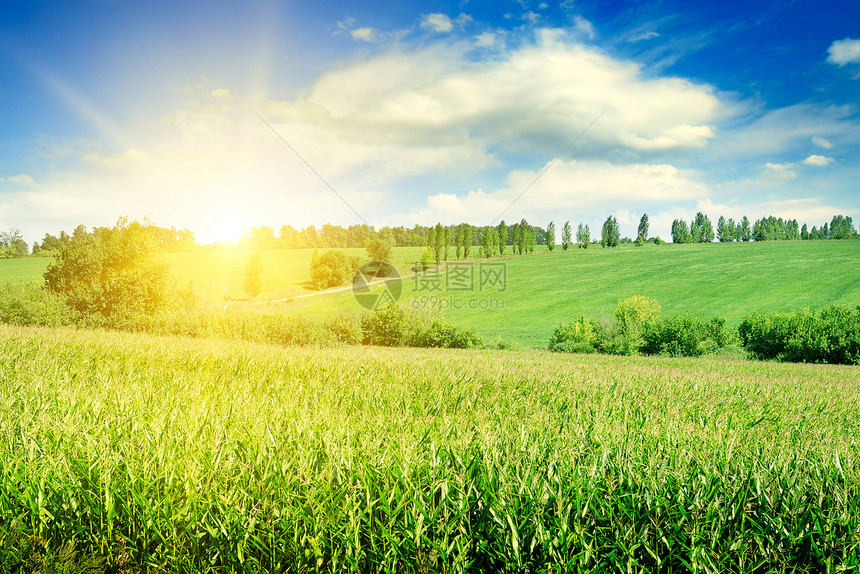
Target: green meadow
728,280
136,453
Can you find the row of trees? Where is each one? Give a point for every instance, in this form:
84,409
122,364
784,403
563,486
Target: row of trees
12,244
769,228
522,237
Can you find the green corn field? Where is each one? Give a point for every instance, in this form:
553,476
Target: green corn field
166,454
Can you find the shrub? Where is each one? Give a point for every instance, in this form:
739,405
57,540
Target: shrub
333,268
32,304
765,336
830,335
346,327
583,330
632,316
444,334
389,328
684,336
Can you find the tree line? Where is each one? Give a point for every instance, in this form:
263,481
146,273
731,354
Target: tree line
458,241
770,228
12,244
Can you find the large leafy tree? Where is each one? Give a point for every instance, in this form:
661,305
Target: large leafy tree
118,271
333,268
680,232
502,232
12,244
701,229
841,227
378,250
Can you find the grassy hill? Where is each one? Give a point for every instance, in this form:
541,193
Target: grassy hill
725,280
185,455
543,289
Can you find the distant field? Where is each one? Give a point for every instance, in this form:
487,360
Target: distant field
543,289
23,270
725,280
222,272
191,456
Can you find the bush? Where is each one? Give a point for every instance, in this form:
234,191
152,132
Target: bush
583,330
389,328
448,335
32,304
684,336
830,335
632,316
346,327
333,268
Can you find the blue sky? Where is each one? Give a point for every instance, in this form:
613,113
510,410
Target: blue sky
425,112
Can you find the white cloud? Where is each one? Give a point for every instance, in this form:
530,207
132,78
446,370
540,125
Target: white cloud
370,125
221,94
822,142
780,170
543,6
437,22
645,36
536,97
584,27
842,52
531,17
584,188
21,179
818,161
365,34
487,40
786,130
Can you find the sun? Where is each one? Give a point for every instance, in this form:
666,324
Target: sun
225,225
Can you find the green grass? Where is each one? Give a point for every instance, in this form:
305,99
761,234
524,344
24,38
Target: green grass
207,456
26,270
544,289
285,271
221,272
724,280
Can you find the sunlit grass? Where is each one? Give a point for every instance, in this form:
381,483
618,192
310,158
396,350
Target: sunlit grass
722,280
217,456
